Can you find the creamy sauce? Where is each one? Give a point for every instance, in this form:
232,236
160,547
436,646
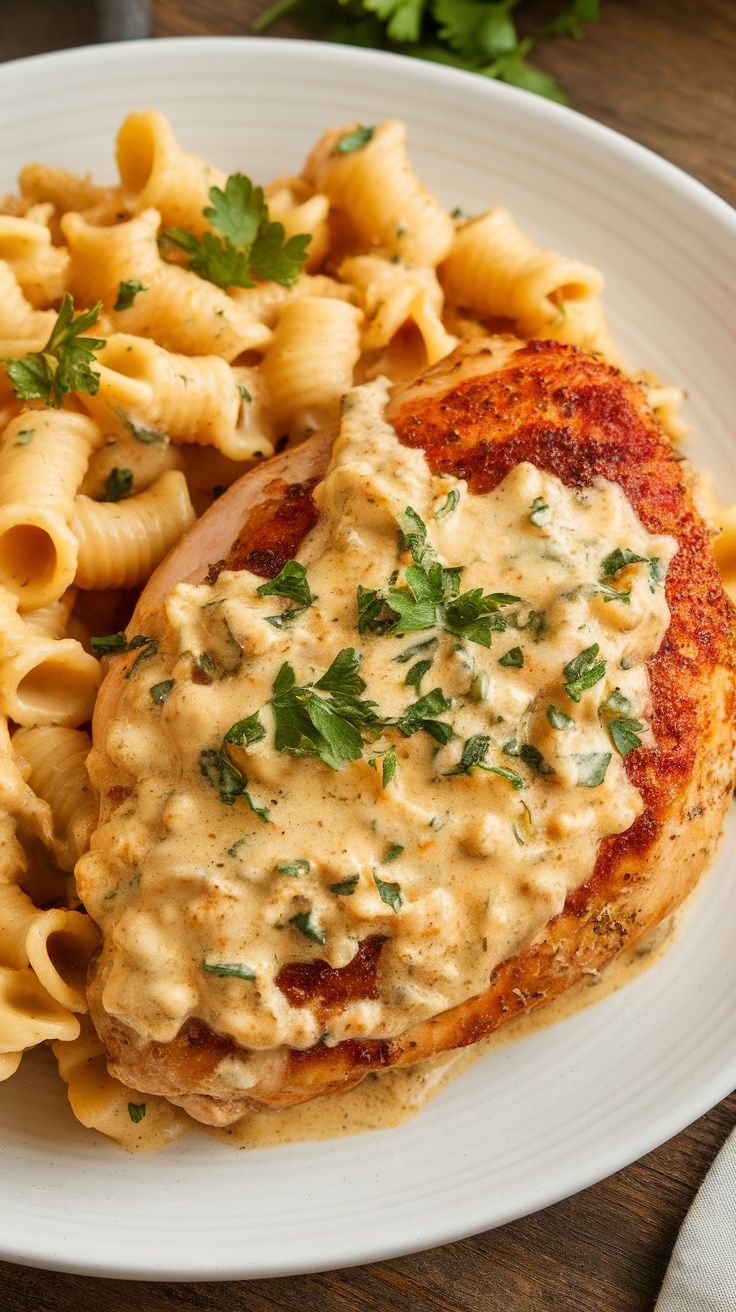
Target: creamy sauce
202,903
386,1100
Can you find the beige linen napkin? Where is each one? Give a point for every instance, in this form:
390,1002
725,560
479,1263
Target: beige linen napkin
701,1276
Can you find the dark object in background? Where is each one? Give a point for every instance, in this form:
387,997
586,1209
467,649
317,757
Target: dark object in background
28,27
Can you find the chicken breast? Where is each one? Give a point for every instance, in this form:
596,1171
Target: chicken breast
569,803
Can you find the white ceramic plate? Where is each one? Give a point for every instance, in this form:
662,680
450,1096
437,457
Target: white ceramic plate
568,1105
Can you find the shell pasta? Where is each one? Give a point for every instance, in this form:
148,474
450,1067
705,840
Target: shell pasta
159,336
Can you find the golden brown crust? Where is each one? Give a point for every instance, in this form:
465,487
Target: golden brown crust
478,413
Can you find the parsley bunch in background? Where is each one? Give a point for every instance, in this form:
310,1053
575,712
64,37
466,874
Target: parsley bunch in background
478,35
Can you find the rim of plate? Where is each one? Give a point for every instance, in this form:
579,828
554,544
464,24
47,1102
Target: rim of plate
180,56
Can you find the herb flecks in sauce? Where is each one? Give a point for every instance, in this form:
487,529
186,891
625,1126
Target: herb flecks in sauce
351,761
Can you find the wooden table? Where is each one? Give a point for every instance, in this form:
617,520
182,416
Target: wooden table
663,72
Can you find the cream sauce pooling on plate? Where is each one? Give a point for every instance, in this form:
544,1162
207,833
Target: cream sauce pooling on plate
461,855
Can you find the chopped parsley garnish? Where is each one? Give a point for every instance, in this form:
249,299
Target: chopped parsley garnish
406,655
453,498
136,1111
475,750
111,642
592,768
24,436
294,868
615,701
612,565
249,245
656,577
539,513
233,851
116,643
309,927
536,620
583,672
222,773
531,756
393,854
558,719
328,727
431,597
245,732
63,364
389,767
420,716
416,674
118,484
625,735
292,584
139,432
244,393
204,669
127,292
148,649
160,691
514,659
354,140
518,836
389,893
230,970
345,887
480,685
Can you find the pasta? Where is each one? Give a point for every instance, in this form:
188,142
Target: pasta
198,375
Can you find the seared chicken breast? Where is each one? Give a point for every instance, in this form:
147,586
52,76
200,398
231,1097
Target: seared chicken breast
299,884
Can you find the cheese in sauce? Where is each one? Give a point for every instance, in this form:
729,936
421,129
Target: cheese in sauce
203,903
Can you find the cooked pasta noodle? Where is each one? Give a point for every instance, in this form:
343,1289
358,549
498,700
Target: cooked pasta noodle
309,364
40,269
121,543
381,194
189,398
18,318
496,270
28,1013
57,773
179,310
155,171
43,459
43,681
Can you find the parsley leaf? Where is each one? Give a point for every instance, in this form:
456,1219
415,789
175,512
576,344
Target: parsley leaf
345,887
475,750
592,768
250,244
160,691
389,767
558,719
136,1111
127,292
615,701
309,927
229,970
355,140
618,560
513,659
453,498
291,583
625,735
328,727
393,853
389,893
431,597
295,868
416,674
539,513
63,364
419,716
245,732
118,484
583,672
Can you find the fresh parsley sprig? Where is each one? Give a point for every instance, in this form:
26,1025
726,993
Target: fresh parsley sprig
478,35
63,364
250,245
331,727
290,583
431,597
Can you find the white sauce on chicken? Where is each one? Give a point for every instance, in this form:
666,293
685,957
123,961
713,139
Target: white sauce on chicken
203,901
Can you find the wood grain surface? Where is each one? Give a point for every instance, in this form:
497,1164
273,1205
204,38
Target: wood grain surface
664,73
